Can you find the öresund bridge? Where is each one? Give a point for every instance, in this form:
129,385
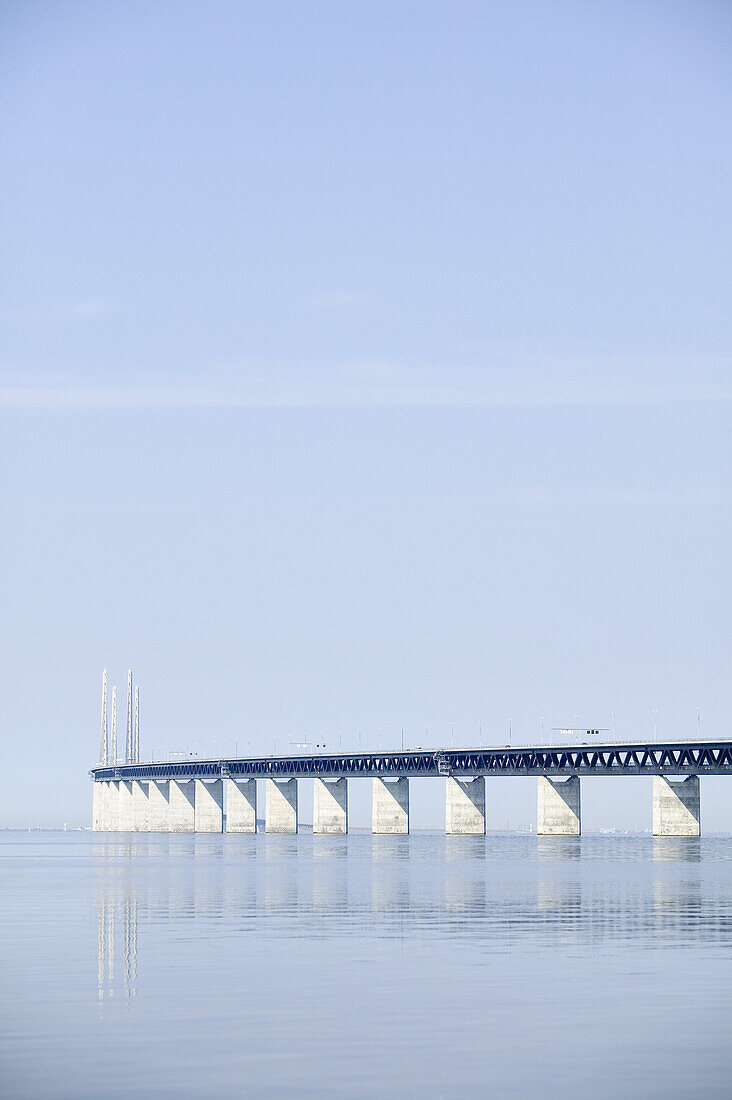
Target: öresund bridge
221,795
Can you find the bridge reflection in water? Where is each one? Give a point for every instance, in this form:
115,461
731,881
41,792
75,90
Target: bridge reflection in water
489,892
117,926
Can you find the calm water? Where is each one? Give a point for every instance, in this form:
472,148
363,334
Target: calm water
419,966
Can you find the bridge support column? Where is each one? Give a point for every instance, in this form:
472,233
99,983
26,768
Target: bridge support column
465,807
241,805
126,815
280,813
209,806
390,806
181,806
159,806
330,806
676,806
112,810
100,807
559,807
140,806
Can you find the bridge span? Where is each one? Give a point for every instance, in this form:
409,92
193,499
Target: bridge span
221,794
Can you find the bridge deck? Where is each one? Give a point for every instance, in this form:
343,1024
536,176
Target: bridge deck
632,758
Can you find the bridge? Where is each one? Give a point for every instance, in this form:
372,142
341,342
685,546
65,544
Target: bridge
221,794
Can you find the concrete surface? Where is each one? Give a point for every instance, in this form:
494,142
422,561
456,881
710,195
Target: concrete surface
181,806
159,806
140,806
241,805
100,807
209,806
280,811
465,807
126,817
558,807
330,806
390,806
676,806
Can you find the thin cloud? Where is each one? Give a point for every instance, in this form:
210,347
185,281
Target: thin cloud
338,299
527,382
538,497
63,312
175,397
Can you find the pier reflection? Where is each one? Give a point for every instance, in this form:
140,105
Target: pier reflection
553,848
330,892
673,849
495,892
116,923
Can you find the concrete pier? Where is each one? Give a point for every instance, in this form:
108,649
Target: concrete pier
390,806
558,809
676,806
111,806
675,799
181,806
465,807
126,816
159,806
113,803
330,806
100,807
209,806
241,805
140,806
280,812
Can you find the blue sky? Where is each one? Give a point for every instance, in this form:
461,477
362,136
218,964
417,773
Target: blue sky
364,365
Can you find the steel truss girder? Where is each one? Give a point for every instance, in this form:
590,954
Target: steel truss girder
700,758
